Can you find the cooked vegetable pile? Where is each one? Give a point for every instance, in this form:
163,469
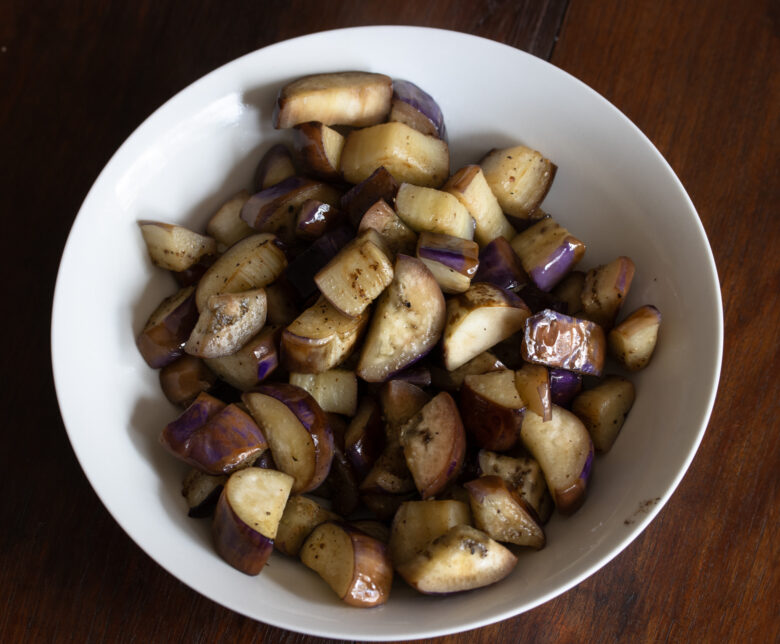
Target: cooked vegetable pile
381,364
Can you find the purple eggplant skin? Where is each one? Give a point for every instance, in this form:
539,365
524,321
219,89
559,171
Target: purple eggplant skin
162,339
364,440
430,114
558,264
301,270
259,204
241,546
539,300
380,185
344,481
182,380
564,386
226,441
500,265
176,434
461,255
557,340
316,218
276,162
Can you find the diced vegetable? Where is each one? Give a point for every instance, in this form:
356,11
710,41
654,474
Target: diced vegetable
435,211
605,290
633,341
453,261
604,408
175,248
416,108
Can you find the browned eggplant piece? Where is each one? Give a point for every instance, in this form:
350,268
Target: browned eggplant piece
379,185
175,248
452,260
407,322
415,107
320,338
182,380
632,341
247,517
162,339
410,156
252,363
352,98
275,209
298,432
468,185
564,451
316,218
319,147
275,166
335,390
500,265
226,226
503,514
604,408
492,410
533,384
522,474
398,237
426,209
605,290
478,319
463,558
434,443
417,523
556,340
355,565
301,515
548,252
519,177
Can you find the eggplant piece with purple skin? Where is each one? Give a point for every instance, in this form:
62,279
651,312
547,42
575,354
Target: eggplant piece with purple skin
317,218
176,434
247,517
427,209
492,410
364,440
275,209
182,380
452,260
522,474
407,323
605,290
319,147
398,237
556,340
548,252
500,265
201,492
379,185
165,333
275,166
301,515
416,108
564,386
303,268
532,382
252,363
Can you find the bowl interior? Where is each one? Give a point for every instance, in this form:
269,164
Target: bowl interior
613,190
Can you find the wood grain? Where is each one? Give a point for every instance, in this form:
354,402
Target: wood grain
700,79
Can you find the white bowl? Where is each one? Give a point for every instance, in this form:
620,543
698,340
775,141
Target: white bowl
613,190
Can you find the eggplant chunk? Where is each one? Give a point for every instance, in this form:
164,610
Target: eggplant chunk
452,260
301,515
364,439
500,265
302,270
564,386
417,523
162,339
416,108
357,275
492,409
249,264
478,319
556,340
434,443
319,146
429,210
532,382
548,252
605,290
252,363
519,177
315,218
336,390
342,98
503,514
274,166
175,248
201,492
183,380
380,184
298,432
469,187
398,237
604,408
564,451
632,342
320,338
247,517
355,565
452,380
406,153
569,290
463,558
522,474
407,322
226,226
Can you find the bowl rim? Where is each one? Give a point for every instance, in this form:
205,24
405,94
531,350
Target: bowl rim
641,523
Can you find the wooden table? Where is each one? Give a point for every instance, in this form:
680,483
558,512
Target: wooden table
699,78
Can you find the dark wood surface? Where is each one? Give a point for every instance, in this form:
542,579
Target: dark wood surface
701,79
